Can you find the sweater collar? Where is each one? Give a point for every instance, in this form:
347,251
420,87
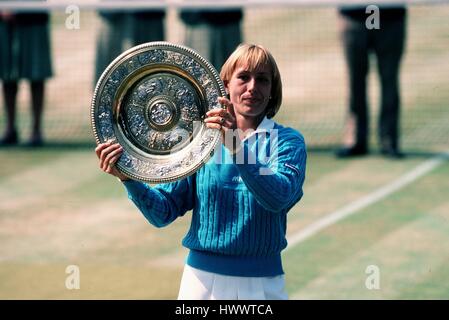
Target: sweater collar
266,125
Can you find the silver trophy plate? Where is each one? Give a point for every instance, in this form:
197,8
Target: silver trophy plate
152,100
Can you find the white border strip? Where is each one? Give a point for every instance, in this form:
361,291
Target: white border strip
368,200
211,4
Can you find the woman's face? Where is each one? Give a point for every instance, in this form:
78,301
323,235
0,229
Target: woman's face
249,91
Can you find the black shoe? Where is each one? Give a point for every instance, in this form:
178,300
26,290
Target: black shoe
392,153
355,151
35,142
10,139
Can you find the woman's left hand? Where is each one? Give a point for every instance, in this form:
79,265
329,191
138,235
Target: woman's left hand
223,120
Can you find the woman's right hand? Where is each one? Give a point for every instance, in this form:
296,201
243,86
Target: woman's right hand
108,153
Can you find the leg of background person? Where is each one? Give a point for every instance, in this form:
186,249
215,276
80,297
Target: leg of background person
10,96
197,37
389,47
223,41
111,34
355,43
37,107
147,29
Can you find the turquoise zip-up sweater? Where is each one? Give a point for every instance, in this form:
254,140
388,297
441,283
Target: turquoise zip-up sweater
239,217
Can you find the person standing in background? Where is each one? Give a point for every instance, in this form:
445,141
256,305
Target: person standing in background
24,54
213,33
387,43
120,30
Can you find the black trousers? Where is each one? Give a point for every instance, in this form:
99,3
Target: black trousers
387,44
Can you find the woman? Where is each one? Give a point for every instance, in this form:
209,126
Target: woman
25,54
240,204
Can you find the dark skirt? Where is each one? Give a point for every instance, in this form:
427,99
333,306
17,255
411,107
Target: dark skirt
25,51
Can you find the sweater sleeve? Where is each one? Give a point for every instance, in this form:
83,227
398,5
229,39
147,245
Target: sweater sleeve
163,203
275,183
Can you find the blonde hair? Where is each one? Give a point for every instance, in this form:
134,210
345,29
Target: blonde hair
253,56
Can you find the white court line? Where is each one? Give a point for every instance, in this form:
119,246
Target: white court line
367,200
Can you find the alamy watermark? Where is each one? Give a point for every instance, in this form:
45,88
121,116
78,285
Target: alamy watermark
259,147
72,22
373,21
372,281
73,280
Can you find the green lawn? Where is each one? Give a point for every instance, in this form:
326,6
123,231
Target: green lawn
58,209
405,235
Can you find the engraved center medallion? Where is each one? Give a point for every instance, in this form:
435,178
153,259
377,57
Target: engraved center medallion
162,113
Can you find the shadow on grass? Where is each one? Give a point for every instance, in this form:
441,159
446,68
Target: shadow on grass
408,154
52,146
316,149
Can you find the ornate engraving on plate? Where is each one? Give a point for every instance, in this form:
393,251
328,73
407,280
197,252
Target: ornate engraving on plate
152,100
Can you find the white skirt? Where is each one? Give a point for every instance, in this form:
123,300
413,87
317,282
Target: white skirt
202,285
